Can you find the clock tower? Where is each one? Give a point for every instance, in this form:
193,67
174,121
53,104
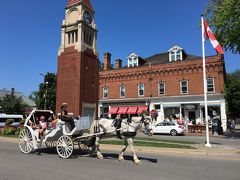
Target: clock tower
77,73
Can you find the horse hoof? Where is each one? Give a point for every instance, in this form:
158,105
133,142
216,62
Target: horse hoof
120,158
138,162
101,158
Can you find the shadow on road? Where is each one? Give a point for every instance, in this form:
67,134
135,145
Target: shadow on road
128,157
78,154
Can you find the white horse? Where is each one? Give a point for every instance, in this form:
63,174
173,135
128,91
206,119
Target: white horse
128,130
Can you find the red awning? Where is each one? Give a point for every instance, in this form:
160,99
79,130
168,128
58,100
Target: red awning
132,110
113,110
141,109
122,110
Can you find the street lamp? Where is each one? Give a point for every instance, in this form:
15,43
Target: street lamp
46,91
45,95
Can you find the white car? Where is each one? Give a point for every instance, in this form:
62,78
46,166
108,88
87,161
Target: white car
168,128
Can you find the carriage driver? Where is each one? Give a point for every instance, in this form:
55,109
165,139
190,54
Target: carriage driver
66,117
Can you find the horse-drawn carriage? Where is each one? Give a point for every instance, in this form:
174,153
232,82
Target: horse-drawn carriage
63,136
85,134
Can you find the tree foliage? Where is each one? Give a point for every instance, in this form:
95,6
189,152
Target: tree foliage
10,104
48,88
224,15
232,93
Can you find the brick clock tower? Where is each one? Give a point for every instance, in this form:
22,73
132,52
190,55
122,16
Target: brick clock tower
77,73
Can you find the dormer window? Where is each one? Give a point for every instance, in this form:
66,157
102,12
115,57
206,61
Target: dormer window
175,54
133,60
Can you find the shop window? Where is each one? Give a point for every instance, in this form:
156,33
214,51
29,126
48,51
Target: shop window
171,112
105,92
122,91
141,90
210,85
157,106
161,88
184,87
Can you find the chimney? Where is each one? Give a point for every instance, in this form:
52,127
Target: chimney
118,63
107,61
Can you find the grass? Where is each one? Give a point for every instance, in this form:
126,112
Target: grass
148,144
165,140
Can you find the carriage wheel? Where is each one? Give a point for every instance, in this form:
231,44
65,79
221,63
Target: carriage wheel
65,147
26,141
51,144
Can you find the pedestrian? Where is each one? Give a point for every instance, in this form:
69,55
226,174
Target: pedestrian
186,122
232,124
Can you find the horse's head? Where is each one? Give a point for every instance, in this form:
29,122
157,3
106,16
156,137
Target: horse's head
147,123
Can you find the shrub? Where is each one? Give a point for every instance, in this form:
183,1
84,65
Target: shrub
9,122
8,131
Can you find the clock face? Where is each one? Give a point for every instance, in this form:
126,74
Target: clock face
87,17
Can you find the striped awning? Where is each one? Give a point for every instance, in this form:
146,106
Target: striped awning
132,110
122,110
113,110
141,109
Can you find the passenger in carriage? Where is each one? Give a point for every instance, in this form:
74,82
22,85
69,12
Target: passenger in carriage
66,117
42,126
54,121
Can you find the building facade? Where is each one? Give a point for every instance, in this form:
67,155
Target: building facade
170,82
77,73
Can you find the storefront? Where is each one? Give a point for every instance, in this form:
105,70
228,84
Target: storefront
191,107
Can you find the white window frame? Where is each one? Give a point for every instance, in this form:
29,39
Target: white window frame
105,90
141,84
182,86
120,90
174,53
213,85
164,86
133,60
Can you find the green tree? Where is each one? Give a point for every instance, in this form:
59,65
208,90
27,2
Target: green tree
224,15
232,93
10,104
48,89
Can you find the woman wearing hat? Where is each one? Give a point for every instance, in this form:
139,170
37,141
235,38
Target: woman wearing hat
42,126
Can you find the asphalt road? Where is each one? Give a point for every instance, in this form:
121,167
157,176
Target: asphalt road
48,166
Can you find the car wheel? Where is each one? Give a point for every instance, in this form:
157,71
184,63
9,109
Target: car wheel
173,132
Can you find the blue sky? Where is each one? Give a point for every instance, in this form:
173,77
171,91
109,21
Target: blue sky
30,34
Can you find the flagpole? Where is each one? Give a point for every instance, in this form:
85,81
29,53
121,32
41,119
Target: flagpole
205,86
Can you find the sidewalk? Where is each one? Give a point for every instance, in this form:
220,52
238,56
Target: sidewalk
216,151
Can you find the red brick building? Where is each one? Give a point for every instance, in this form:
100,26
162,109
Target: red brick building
170,82
77,74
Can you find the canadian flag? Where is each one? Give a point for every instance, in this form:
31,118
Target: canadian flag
208,34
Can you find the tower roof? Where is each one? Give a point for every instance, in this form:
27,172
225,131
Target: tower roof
85,2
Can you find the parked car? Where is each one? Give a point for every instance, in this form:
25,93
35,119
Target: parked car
171,128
